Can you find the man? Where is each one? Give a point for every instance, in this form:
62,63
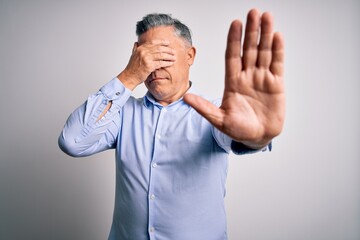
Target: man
171,145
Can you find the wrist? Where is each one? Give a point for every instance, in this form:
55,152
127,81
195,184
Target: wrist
128,81
256,145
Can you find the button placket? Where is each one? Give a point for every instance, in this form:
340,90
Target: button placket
153,169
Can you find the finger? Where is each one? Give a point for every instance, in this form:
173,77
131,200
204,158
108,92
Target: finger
163,60
251,39
164,56
135,47
205,108
156,46
163,49
278,55
163,64
233,50
160,42
266,40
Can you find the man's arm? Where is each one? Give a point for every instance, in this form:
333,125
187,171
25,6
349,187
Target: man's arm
253,106
94,126
144,60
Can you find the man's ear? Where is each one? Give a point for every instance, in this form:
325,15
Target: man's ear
191,52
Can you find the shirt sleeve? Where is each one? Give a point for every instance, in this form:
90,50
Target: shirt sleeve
83,133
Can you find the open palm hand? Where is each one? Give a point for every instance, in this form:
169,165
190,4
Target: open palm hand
253,105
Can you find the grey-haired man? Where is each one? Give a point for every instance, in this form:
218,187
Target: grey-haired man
171,145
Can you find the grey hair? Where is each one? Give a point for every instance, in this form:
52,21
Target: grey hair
159,19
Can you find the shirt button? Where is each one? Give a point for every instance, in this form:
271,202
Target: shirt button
158,136
154,165
164,109
152,229
117,93
152,197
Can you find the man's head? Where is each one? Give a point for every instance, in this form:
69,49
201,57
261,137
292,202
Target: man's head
170,83
156,20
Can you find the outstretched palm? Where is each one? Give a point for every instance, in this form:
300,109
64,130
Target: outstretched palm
253,105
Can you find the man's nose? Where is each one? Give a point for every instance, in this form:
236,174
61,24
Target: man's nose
155,73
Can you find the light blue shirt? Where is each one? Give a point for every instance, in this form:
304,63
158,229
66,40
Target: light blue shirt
171,164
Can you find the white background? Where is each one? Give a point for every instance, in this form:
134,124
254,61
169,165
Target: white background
53,54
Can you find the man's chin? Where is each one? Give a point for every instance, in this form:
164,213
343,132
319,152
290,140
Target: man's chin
157,93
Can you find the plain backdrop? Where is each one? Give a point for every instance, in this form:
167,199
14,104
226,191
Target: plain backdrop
53,54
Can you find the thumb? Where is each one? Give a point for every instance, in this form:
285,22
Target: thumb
205,108
136,44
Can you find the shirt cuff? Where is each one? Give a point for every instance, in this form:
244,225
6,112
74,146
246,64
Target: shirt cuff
116,91
239,148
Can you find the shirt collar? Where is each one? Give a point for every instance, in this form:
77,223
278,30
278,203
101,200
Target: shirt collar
150,101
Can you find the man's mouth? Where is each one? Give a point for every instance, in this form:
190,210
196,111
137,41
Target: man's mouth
157,79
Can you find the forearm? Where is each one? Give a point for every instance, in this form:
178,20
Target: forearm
93,126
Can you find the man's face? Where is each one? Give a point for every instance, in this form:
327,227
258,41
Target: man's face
169,84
